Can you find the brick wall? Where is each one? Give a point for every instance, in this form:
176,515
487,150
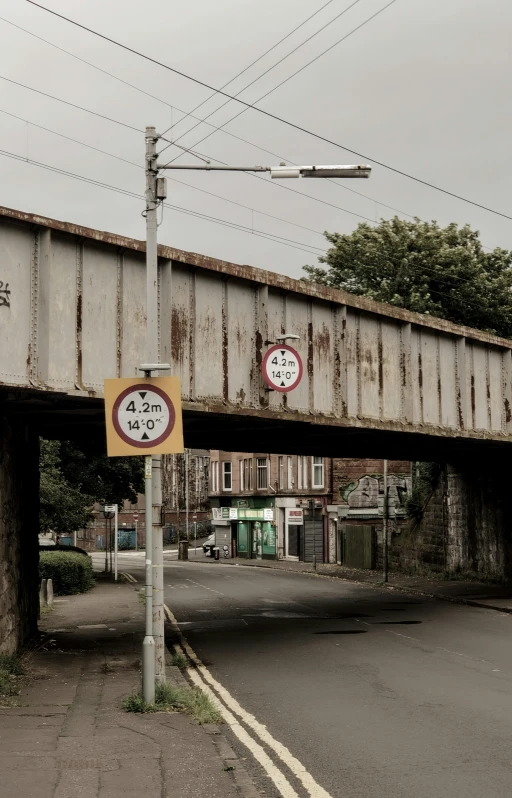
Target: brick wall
19,527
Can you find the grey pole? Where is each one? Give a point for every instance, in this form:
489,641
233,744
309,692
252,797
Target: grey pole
385,526
153,358
148,646
187,465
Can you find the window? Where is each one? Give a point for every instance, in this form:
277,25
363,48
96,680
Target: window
281,473
318,472
215,476
290,473
305,472
227,475
262,474
249,484
299,472
241,463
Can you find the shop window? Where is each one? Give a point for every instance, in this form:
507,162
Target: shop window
262,473
318,472
227,475
215,476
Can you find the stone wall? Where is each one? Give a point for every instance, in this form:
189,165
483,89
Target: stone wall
19,526
467,524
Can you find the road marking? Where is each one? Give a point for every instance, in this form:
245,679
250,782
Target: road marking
226,702
206,588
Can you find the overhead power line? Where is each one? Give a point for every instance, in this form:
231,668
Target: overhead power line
255,80
273,116
308,248
225,132
173,179
253,63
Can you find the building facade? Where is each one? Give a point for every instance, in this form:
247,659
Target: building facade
270,506
274,506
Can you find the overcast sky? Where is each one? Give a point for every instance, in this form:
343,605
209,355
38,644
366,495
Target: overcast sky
423,87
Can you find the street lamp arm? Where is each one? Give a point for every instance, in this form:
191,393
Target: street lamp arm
281,171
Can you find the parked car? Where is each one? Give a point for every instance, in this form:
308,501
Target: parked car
208,545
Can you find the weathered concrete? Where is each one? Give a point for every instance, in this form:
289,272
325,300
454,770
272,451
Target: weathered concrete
19,525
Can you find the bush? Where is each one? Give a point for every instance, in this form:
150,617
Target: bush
71,573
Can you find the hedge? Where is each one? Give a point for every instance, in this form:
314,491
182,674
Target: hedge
71,573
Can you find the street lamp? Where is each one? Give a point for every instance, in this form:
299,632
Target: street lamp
153,660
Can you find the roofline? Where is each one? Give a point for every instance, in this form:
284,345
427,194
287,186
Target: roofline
263,276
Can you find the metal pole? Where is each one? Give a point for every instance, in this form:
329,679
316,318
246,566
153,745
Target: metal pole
148,646
106,545
385,526
110,541
136,534
186,494
116,543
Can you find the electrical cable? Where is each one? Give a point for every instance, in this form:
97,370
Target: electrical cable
225,132
271,115
255,80
239,74
243,228
173,179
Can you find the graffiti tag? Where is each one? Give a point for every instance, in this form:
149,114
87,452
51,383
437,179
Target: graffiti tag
5,294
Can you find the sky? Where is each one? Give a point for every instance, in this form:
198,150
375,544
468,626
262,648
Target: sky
422,87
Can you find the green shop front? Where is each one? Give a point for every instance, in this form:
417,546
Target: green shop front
253,528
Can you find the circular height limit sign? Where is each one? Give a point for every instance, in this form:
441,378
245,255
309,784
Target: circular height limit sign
143,416
282,368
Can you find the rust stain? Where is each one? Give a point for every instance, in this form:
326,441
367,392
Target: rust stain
322,342
310,349
459,409
508,414
403,369
240,396
473,401
259,347
420,372
179,335
380,356
225,386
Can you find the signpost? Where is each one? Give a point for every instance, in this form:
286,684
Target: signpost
109,511
143,416
282,368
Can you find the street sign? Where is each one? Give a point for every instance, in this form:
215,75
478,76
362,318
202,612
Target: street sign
143,416
282,368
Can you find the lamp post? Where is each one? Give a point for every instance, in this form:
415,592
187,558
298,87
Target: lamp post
156,193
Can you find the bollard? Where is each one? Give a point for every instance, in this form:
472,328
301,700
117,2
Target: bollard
43,593
49,592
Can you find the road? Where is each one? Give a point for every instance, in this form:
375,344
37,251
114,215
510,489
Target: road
375,693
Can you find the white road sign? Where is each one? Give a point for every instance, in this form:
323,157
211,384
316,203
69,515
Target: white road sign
143,416
282,368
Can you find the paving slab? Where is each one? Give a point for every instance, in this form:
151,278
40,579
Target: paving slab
69,737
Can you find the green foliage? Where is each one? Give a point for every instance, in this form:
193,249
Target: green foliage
179,661
63,507
11,668
71,573
425,478
168,698
72,479
425,268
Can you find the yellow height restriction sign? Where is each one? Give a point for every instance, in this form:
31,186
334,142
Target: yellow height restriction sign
143,416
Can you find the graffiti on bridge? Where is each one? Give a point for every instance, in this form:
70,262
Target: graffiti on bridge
5,294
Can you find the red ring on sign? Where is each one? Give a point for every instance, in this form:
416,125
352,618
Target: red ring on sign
144,386
294,352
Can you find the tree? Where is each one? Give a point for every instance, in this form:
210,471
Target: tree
62,507
423,267
73,479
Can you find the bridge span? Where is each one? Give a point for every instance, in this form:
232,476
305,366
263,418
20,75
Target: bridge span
377,381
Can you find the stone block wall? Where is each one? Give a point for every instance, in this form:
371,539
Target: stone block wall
467,524
19,527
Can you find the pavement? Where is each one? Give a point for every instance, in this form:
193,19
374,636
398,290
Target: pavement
69,738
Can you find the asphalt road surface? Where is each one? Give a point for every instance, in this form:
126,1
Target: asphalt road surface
374,692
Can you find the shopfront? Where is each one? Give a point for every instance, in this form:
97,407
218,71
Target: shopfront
253,529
